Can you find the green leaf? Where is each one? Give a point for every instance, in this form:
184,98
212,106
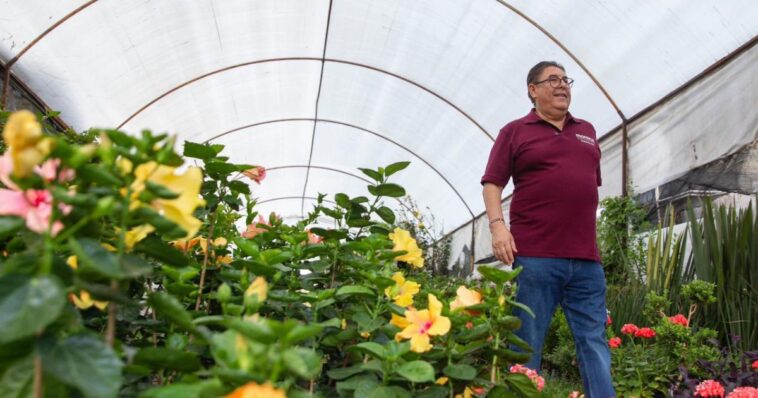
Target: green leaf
200,389
509,322
386,214
358,222
156,248
133,266
500,392
372,173
395,167
247,247
498,276
17,379
161,191
417,371
10,225
434,392
354,382
198,151
342,200
329,233
166,358
98,175
120,138
369,347
370,391
27,305
239,187
352,290
460,372
302,332
518,341
94,259
522,306
302,361
390,189
220,168
84,362
169,307
255,331
344,373
513,356
332,323
522,384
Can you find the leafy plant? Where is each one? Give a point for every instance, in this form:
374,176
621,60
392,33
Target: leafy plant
137,282
725,252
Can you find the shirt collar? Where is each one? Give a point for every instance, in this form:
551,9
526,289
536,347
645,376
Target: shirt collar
533,117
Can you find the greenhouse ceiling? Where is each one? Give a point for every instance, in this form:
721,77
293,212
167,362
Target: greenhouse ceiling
314,89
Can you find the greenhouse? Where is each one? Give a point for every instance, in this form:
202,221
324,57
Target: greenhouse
294,198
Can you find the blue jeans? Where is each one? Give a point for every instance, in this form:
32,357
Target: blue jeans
579,287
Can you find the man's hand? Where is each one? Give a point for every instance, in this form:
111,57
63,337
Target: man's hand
503,244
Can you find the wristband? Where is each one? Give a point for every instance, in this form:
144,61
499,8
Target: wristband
496,220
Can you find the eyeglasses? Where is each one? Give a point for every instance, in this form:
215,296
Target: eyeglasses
555,81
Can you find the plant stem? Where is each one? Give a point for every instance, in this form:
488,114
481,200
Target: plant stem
494,359
110,331
38,387
208,248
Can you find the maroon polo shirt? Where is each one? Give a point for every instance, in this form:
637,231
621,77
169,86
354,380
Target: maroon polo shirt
556,174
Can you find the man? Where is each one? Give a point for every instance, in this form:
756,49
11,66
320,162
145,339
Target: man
554,160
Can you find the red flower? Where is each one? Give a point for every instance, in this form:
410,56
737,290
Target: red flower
614,342
469,325
743,392
680,320
709,388
645,333
755,365
629,328
608,320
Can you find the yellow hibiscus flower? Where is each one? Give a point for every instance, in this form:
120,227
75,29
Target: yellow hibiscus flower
255,390
26,144
424,324
404,241
259,289
465,298
187,185
403,291
83,301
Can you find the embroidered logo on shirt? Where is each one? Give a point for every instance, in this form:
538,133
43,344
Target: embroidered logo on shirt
585,139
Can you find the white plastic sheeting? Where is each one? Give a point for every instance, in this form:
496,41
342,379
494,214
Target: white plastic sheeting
713,118
341,84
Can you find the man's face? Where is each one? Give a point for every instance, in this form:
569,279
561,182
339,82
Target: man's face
548,98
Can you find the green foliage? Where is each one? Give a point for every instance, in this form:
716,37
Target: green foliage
304,309
618,226
699,292
725,253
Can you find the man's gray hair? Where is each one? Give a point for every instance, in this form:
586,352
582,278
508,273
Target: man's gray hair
531,77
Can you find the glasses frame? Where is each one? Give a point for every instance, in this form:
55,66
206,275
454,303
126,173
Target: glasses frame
565,79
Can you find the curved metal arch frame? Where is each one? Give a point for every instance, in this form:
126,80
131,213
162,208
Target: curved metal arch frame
300,166
312,59
292,198
363,129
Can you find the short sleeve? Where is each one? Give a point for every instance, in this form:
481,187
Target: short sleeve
500,163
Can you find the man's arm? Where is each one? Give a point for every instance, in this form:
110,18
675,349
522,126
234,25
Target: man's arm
503,244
